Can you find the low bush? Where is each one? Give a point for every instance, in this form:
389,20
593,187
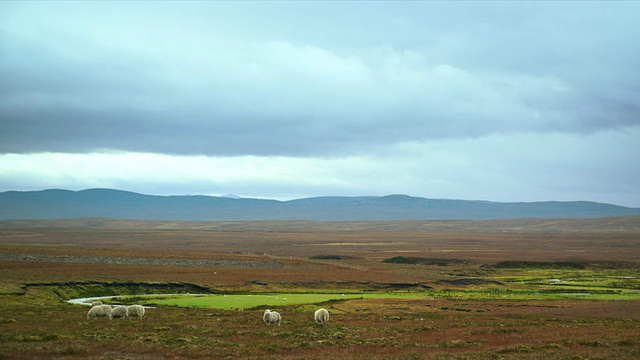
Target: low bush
423,261
325,257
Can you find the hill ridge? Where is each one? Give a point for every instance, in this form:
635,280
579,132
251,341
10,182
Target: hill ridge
122,204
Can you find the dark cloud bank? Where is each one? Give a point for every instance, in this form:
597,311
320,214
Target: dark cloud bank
434,72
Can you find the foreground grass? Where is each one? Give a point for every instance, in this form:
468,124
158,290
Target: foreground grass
477,323
359,329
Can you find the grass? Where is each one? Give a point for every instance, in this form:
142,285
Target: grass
447,301
619,284
275,300
262,301
251,301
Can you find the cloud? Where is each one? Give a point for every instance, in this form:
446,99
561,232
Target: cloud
497,101
526,167
194,89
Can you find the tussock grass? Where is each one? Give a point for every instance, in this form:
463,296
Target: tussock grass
421,310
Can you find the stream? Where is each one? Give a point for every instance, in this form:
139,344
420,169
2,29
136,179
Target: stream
87,301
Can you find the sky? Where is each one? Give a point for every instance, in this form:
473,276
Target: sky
500,101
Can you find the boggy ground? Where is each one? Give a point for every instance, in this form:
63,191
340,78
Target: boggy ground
42,266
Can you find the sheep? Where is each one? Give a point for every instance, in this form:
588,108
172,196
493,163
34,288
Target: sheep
271,317
321,316
99,310
96,303
119,311
136,310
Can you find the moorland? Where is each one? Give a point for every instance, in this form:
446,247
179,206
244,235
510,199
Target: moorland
502,289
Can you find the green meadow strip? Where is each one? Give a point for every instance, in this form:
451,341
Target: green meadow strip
275,300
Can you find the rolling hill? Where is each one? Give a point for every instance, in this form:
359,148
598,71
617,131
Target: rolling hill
117,204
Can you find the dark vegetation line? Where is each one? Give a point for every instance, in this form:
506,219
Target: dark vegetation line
147,261
83,289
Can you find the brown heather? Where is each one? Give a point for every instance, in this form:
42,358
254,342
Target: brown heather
40,259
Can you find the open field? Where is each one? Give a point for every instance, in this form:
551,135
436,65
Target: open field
517,289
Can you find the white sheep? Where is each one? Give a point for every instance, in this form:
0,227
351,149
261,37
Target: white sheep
99,311
119,311
136,310
96,303
321,316
271,317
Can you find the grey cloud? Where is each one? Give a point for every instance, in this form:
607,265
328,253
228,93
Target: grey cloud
271,83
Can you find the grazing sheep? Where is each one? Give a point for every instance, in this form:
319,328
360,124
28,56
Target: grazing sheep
99,311
96,303
321,316
136,310
119,311
271,317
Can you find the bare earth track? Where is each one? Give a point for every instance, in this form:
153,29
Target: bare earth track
245,257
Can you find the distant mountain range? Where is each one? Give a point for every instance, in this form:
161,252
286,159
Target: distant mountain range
117,204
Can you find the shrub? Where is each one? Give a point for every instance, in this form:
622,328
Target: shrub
325,257
423,261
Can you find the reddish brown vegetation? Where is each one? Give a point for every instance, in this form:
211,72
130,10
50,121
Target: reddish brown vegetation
37,324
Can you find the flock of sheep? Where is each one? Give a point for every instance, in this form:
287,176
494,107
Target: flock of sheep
119,311
321,316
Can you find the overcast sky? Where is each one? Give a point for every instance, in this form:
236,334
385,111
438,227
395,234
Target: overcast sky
501,101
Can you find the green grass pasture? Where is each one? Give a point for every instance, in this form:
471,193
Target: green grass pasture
267,300
621,284
276,300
